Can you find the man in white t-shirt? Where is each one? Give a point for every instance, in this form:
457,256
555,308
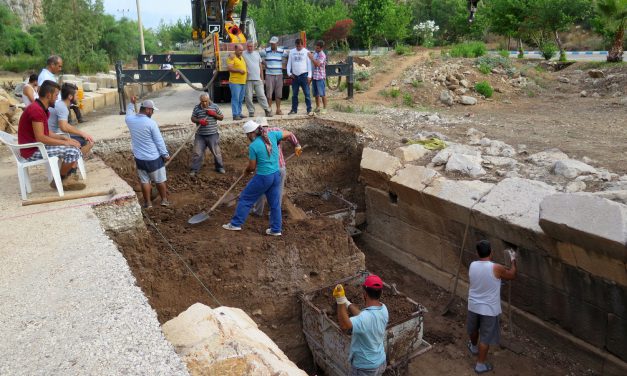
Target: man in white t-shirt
484,303
59,115
299,69
254,80
54,66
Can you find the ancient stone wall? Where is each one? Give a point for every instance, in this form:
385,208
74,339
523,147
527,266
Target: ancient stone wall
30,12
571,288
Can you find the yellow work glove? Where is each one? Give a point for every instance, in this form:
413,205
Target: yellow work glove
340,295
298,150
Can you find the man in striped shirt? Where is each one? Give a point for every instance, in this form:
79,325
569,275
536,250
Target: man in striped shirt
206,114
319,62
273,62
259,205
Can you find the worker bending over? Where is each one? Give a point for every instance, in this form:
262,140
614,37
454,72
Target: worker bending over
263,158
367,353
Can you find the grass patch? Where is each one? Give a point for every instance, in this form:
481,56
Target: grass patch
504,53
468,49
408,99
417,83
22,63
602,65
395,93
362,75
402,49
484,68
484,88
351,108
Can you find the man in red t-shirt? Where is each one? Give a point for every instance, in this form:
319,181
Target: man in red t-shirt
33,127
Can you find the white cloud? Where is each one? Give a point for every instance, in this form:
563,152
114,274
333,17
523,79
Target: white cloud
153,11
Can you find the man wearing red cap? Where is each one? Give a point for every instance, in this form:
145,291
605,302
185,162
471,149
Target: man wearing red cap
367,354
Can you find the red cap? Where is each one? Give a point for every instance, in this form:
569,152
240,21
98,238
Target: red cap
374,282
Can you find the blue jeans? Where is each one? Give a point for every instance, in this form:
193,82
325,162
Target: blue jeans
300,81
260,204
270,185
238,91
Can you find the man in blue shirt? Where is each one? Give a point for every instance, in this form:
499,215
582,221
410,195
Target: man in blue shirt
367,353
263,158
149,150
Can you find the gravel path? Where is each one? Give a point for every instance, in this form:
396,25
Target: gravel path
70,304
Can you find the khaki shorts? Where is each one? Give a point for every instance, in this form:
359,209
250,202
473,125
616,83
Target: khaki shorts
274,85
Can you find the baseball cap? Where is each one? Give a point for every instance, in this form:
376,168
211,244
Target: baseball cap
262,121
373,282
250,126
149,104
274,39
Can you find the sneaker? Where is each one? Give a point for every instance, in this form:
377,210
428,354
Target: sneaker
292,112
165,203
269,232
221,171
483,368
474,349
147,205
242,116
269,113
192,174
230,227
311,113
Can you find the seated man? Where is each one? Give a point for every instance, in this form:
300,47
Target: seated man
33,127
59,115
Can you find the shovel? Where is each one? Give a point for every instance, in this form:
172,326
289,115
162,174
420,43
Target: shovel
204,215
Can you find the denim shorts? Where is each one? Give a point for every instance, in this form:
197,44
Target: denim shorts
488,327
319,89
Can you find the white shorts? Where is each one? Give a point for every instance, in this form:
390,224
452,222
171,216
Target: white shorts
157,176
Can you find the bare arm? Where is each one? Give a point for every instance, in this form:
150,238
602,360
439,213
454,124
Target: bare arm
29,92
342,317
68,128
503,273
251,167
286,134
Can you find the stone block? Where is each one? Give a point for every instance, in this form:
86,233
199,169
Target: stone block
511,210
465,164
571,168
452,199
90,86
547,157
99,100
443,155
593,223
411,153
617,336
377,168
110,95
88,104
67,77
410,181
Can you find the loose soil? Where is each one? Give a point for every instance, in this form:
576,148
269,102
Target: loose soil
399,307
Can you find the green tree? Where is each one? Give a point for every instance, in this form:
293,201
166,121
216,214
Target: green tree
369,17
452,18
507,18
612,16
13,40
555,16
396,24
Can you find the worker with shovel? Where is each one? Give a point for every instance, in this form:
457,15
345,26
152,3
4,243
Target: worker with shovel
484,303
149,150
263,158
367,353
298,150
206,114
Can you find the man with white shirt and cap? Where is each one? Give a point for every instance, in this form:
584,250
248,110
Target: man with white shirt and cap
54,66
149,150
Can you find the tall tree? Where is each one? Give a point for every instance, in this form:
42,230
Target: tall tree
369,17
613,16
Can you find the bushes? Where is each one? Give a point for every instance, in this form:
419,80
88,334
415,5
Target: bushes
548,50
21,63
484,68
484,89
493,62
468,49
504,53
94,62
402,49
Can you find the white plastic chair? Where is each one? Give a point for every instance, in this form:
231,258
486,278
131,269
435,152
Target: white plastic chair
51,163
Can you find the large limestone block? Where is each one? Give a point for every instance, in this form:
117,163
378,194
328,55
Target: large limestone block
591,222
465,164
97,98
444,154
571,168
88,104
378,167
511,209
110,95
410,181
547,157
452,199
411,153
225,341
90,86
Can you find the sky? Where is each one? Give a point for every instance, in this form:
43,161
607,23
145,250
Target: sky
153,11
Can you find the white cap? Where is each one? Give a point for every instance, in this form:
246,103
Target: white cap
262,121
250,126
274,40
148,104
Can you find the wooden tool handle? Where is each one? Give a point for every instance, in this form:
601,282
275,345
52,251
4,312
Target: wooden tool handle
293,154
46,200
225,193
182,145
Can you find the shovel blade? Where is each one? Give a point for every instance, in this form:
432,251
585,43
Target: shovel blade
198,218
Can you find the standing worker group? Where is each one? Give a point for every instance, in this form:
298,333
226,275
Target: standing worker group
367,352
263,159
484,303
254,80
